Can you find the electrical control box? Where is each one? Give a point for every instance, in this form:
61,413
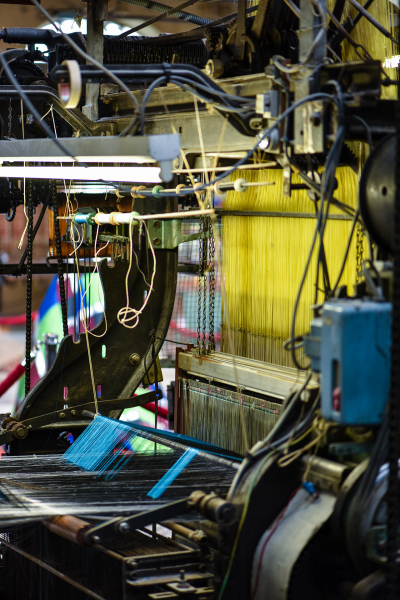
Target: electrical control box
354,360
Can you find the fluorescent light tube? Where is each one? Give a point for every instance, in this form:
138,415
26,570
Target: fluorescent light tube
126,174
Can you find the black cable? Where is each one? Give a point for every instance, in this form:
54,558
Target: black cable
92,61
29,258
226,107
367,129
61,284
327,191
290,404
24,97
266,448
356,215
149,91
263,136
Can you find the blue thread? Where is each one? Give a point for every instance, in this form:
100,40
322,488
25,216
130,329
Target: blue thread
107,445
172,474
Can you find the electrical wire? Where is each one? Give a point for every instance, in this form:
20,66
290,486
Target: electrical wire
24,97
367,129
127,314
356,215
262,137
92,61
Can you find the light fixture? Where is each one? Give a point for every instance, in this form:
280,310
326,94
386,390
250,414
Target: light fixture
136,150
126,174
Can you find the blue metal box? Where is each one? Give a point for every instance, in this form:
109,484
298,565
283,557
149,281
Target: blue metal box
355,361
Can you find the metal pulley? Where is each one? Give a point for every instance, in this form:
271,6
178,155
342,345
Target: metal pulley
378,191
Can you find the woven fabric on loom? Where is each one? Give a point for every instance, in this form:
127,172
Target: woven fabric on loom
36,487
212,414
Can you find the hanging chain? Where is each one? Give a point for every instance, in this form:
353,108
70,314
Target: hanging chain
201,227
28,335
205,280
211,245
61,284
9,119
360,235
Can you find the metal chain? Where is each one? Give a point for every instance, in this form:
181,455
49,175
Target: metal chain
211,244
201,227
9,119
360,235
29,256
61,284
205,281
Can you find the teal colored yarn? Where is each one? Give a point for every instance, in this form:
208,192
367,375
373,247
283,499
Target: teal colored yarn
107,445
172,474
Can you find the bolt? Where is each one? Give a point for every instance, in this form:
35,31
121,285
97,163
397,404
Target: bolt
156,241
134,359
73,412
175,163
156,224
62,415
95,539
123,527
20,432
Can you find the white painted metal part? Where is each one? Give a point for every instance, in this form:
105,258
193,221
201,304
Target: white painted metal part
303,518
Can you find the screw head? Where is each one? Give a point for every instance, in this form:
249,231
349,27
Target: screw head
95,539
134,359
73,412
156,224
62,415
123,527
156,241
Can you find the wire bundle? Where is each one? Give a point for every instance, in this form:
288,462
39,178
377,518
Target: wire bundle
263,258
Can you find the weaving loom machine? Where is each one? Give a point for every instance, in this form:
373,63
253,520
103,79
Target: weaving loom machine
280,479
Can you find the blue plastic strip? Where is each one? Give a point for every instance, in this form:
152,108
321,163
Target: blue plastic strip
172,474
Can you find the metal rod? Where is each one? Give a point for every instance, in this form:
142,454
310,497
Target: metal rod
359,16
372,20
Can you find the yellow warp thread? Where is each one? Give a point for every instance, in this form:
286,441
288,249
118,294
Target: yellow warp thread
263,259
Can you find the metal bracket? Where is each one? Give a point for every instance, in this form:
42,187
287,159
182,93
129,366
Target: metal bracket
167,235
69,416
114,527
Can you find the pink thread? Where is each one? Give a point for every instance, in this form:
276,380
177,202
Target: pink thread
276,412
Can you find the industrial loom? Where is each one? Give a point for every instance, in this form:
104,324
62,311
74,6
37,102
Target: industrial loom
274,131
